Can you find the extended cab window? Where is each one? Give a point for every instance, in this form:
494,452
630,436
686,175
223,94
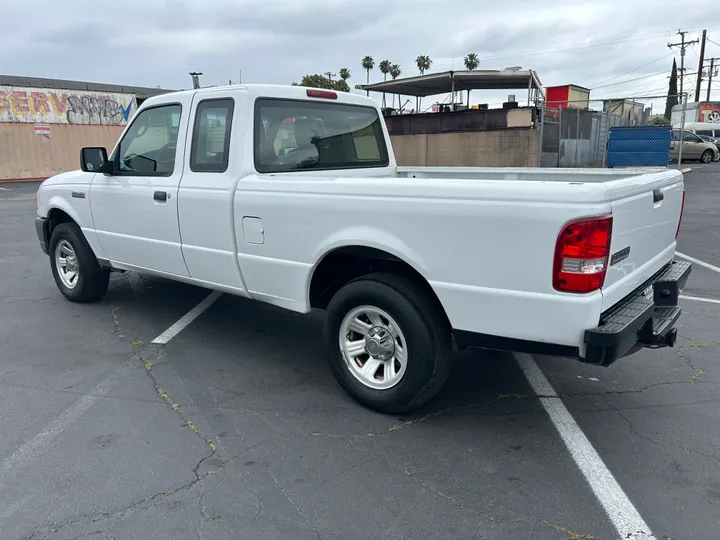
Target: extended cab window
211,135
297,134
149,145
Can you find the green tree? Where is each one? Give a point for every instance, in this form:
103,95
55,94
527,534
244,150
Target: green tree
672,98
471,62
320,81
367,64
423,63
344,74
385,69
395,72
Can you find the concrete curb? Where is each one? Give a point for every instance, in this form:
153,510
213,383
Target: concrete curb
686,170
21,180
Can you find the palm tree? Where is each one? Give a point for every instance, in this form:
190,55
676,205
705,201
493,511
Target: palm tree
471,62
423,63
344,74
385,69
367,64
395,72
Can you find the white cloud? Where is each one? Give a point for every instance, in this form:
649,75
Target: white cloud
156,42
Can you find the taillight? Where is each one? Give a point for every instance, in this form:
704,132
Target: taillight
682,209
327,94
581,255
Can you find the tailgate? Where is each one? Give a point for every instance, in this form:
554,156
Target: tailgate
646,211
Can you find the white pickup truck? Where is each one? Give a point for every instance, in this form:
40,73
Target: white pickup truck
291,196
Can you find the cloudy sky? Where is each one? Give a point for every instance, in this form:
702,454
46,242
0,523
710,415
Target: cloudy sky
156,42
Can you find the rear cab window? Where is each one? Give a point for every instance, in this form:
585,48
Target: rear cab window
211,135
293,135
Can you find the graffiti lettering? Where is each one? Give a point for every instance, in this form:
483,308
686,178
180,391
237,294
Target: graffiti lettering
37,105
20,103
92,110
59,103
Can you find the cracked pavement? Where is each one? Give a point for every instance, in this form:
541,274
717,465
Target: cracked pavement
237,430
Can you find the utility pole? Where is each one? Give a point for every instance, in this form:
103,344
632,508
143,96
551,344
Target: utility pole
330,75
710,76
700,66
683,45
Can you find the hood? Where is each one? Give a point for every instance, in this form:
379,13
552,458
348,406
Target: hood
70,177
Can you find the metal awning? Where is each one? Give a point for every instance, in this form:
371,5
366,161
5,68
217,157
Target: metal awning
452,81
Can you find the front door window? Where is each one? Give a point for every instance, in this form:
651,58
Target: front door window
150,143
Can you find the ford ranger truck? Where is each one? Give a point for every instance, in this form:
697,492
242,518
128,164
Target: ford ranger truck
291,196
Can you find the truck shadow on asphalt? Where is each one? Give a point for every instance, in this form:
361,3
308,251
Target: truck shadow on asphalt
256,356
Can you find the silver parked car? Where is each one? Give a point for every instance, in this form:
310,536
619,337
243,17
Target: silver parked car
693,147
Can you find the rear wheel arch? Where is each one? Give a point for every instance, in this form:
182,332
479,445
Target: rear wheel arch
341,265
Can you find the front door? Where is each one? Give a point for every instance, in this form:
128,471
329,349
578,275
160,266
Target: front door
135,209
692,146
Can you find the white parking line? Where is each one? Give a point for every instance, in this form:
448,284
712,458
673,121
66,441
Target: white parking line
698,261
186,319
700,299
34,447
622,513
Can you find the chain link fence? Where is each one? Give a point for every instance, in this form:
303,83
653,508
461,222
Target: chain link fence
617,132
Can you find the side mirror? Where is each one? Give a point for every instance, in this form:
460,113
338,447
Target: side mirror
93,158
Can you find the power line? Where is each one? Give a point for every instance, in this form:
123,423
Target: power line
522,53
581,46
630,80
631,71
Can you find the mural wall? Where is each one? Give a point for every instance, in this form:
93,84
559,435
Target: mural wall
51,106
708,112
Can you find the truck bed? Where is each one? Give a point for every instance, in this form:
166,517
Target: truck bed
584,176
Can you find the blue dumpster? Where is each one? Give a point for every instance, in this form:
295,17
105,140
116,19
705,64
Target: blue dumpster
639,146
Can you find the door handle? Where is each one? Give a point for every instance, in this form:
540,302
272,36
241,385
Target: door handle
160,196
658,195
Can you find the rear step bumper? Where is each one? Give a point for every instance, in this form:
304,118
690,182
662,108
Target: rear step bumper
640,320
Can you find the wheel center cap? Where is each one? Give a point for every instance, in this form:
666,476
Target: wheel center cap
379,343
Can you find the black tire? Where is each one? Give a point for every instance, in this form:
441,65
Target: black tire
92,281
707,156
424,327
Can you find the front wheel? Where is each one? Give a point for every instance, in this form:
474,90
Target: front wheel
707,156
74,266
388,343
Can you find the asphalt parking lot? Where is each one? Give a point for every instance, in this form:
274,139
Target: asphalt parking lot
236,428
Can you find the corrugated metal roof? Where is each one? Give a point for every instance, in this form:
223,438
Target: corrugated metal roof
442,83
40,82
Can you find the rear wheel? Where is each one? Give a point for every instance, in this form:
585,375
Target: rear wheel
707,156
389,345
74,266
